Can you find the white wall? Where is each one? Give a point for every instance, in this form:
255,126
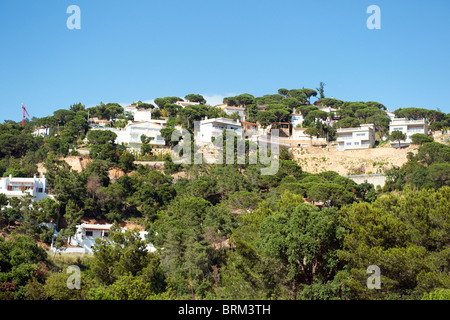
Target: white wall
356,138
16,183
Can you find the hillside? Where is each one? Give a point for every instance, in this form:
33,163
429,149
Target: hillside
316,160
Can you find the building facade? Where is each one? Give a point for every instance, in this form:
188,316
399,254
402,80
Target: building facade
356,138
130,136
19,187
210,128
408,127
84,239
296,120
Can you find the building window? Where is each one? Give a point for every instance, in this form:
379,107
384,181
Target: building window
105,235
398,129
348,144
89,233
360,134
356,143
40,190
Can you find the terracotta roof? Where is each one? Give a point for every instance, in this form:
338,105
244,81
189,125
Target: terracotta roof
251,123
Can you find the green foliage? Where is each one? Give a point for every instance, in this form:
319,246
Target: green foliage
100,137
195,98
123,254
406,236
397,136
438,294
126,162
433,152
321,90
20,259
305,241
420,138
348,123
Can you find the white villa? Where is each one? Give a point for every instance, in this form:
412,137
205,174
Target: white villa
18,187
356,138
142,115
130,136
139,114
84,239
239,110
209,128
408,127
229,110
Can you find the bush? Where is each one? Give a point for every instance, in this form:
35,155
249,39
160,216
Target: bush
420,138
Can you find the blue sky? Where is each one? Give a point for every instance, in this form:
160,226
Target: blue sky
141,49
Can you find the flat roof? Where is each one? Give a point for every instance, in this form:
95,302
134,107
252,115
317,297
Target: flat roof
96,226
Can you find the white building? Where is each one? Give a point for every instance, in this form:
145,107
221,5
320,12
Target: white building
300,139
184,104
327,109
356,138
390,114
96,122
139,114
132,108
232,110
41,131
18,187
209,128
142,115
130,136
296,120
408,127
84,238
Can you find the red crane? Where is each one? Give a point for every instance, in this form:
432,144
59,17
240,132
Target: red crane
24,110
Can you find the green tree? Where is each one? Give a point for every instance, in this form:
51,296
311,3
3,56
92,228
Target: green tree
99,137
433,152
283,92
121,254
309,93
321,90
420,138
368,112
305,242
347,123
397,136
195,98
126,162
406,236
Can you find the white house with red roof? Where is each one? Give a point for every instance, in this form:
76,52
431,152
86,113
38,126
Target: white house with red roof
19,187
